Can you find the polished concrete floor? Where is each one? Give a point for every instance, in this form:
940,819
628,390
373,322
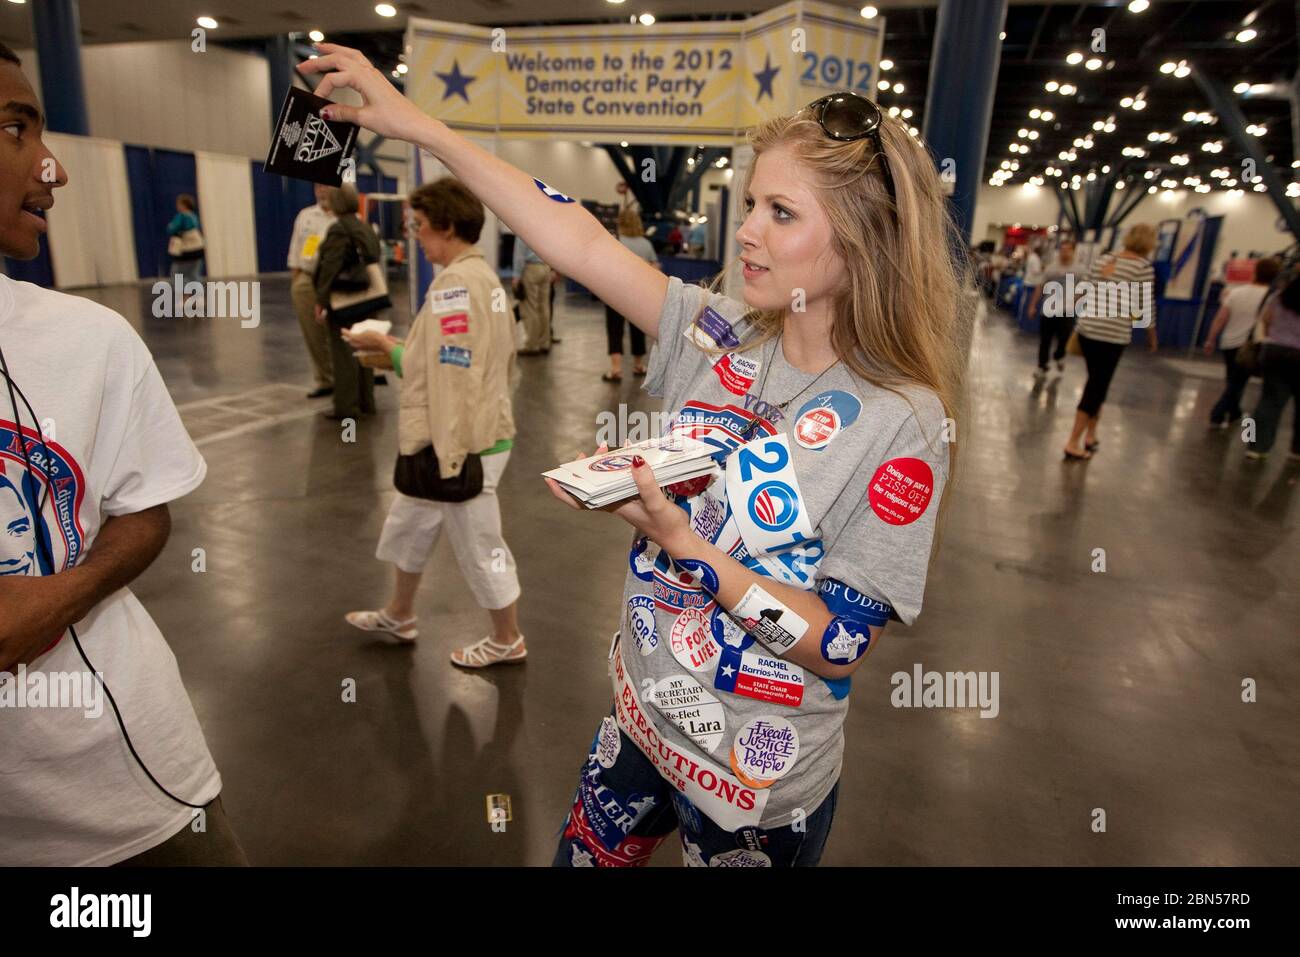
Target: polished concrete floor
1119,690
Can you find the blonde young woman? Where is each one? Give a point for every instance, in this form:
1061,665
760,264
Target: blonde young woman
749,603
631,233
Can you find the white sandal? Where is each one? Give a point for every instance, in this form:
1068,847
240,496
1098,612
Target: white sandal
487,652
380,621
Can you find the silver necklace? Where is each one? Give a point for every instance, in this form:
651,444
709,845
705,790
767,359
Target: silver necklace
754,416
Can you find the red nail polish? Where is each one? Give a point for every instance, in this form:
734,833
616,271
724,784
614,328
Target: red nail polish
637,461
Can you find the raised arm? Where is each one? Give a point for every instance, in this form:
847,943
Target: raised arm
567,237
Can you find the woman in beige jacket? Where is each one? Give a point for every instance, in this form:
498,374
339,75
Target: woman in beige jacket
455,369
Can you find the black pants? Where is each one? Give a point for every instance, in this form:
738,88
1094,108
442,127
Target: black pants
1281,368
614,333
354,384
1049,328
1228,408
1101,358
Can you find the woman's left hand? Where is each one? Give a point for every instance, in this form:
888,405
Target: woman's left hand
320,314
650,511
368,340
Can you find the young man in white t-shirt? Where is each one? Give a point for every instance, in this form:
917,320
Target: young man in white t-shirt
91,450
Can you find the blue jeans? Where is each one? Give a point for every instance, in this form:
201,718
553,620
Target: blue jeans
622,813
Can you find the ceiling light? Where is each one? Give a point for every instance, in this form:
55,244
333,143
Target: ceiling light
206,23
1241,88
898,88
646,19
1033,134
1139,104
1067,89
316,36
1126,102
1048,115
886,65
1119,184
1183,69
402,68
869,13
1035,113
1246,35
1137,6
894,111
907,113
1074,58
1022,132
882,85
1050,86
1093,64
385,10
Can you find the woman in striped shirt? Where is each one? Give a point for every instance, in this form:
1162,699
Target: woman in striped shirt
1119,296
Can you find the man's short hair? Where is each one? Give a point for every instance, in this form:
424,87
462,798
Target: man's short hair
9,56
447,202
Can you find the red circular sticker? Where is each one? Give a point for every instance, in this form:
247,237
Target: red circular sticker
816,428
900,491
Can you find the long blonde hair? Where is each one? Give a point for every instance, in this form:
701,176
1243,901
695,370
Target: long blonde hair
904,317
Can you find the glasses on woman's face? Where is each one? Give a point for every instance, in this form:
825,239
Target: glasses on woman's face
846,117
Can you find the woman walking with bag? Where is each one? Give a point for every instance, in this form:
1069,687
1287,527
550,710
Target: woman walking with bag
456,428
350,286
185,243
1121,288
1279,363
1237,319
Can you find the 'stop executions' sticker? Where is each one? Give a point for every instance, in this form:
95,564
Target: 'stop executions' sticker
900,490
554,194
822,417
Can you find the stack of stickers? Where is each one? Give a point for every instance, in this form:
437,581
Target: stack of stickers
602,479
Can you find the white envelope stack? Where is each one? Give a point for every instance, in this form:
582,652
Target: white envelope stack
600,479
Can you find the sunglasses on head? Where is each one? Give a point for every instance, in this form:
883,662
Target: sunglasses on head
846,117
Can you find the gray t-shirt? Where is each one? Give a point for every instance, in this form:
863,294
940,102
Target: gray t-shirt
855,466
641,246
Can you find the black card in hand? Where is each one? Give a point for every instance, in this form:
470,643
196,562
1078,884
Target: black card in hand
304,146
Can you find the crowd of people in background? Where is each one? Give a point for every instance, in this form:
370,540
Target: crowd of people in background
1255,327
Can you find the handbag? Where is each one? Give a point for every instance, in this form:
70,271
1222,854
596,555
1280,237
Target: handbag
418,476
1074,347
190,241
1248,355
347,306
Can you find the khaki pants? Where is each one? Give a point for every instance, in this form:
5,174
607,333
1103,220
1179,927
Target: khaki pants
314,334
535,310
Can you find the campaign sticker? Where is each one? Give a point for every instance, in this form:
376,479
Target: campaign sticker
736,372
710,330
728,633
610,816
607,743
455,324
769,620
763,677
845,641
764,495
824,416
740,858
708,515
611,463
683,701
816,427
676,591
900,490
691,641
553,194
692,856
455,299
641,623
723,427
840,599
764,751
642,558
454,356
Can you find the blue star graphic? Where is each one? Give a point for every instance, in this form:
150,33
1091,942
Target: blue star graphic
765,77
456,82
